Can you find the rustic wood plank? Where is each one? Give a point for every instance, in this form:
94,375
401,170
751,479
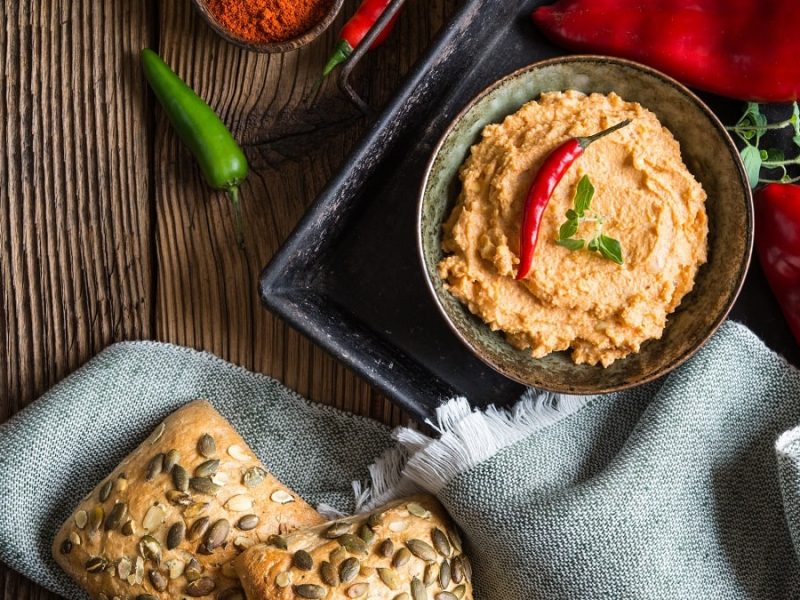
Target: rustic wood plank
207,288
93,253
75,249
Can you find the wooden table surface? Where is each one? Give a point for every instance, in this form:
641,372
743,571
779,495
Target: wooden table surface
107,231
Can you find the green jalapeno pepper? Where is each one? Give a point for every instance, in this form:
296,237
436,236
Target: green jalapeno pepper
221,160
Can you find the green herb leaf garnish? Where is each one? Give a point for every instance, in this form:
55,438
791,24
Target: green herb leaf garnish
752,160
583,195
608,247
751,129
568,229
571,244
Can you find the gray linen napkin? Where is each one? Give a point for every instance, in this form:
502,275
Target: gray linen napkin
669,491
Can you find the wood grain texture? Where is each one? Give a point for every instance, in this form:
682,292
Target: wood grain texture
207,288
75,245
107,231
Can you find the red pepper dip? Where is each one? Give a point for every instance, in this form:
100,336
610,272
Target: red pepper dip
266,21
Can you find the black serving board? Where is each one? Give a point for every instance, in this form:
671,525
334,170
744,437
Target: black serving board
349,276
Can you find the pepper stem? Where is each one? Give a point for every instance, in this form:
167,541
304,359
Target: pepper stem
341,54
233,194
585,141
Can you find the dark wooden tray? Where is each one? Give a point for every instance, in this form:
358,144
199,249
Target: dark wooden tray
349,276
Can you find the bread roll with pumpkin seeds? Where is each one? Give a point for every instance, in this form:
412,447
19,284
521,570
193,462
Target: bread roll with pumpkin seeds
407,550
168,521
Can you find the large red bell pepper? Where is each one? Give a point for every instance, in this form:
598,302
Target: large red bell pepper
744,49
778,245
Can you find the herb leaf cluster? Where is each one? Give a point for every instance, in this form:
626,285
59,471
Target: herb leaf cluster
606,246
750,129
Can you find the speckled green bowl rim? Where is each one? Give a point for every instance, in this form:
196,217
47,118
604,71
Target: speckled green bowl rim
590,58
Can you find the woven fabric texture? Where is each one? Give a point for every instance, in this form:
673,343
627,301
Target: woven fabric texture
670,491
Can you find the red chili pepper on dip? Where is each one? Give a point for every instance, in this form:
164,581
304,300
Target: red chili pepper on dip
778,246
555,166
356,29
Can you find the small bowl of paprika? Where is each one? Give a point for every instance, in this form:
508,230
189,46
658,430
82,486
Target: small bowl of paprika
270,26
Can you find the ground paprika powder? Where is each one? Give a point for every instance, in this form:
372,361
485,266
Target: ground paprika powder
264,21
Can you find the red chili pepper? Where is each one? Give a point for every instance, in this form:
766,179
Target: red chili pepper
778,246
744,49
544,182
356,28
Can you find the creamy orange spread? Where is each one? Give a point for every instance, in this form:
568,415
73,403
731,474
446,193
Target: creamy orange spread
577,300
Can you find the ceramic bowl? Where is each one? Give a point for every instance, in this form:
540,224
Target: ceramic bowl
270,47
708,152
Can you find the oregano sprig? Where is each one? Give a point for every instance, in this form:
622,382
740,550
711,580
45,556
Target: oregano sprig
750,128
606,246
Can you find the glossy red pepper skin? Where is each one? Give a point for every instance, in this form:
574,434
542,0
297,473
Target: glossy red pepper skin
544,183
778,246
356,29
743,49
366,16
553,169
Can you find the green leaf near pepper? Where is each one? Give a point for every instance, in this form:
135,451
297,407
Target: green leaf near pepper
752,160
610,248
583,195
795,119
568,229
750,129
571,244
606,246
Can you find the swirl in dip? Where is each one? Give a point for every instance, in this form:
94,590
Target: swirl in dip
577,300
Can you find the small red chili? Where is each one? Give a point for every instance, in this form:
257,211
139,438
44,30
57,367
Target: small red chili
551,172
356,29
